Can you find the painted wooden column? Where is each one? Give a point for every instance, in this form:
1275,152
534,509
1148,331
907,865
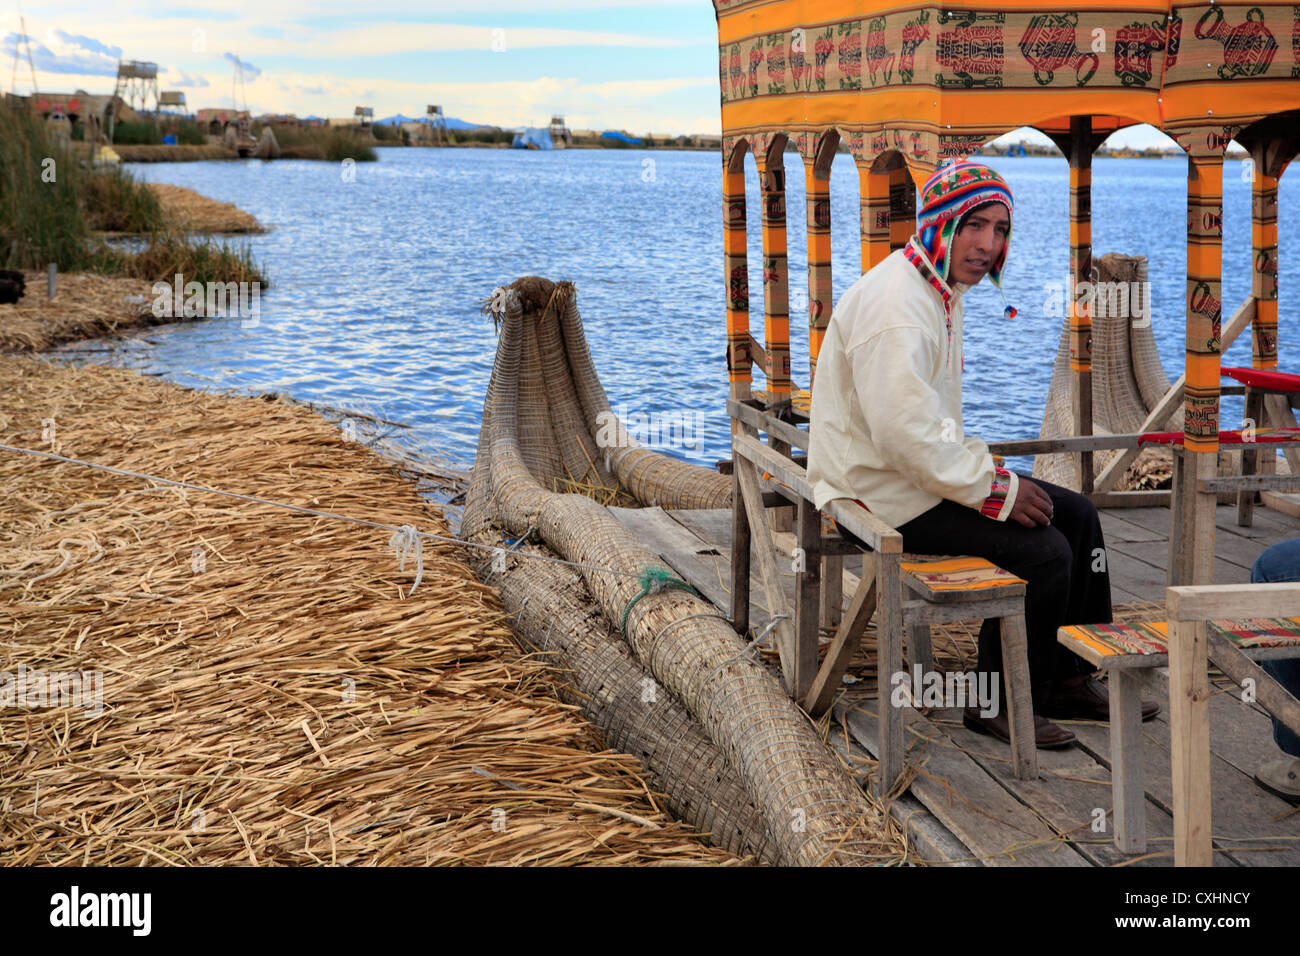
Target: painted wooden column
735,254
1263,241
1201,395
873,199
776,271
736,265
902,207
821,292
1079,155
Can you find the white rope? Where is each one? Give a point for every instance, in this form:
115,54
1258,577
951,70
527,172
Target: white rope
406,542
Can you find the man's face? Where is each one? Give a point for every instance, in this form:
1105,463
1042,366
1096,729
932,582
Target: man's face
978,243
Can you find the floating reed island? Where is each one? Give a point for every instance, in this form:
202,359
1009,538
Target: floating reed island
194,212
275,688
84,307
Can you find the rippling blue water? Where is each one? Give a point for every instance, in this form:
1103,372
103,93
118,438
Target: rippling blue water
377,283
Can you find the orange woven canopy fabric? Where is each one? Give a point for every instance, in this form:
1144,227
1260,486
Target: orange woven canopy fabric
936,82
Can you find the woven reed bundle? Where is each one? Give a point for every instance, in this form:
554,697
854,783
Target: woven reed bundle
84,306
278,702
197,213
1127,382
565,414
554,615
814,812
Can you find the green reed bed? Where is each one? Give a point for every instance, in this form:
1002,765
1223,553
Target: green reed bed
333,144
55,208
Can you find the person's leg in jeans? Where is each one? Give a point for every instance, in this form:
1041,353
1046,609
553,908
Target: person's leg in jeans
1281,563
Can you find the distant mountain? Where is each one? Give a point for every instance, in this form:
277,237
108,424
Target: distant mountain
451,121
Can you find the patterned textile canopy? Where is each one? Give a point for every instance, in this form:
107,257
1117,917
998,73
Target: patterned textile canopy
941,81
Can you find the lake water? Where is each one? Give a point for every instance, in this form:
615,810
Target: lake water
376,284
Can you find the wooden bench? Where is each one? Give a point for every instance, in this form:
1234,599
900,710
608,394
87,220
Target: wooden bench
963,588
907,596
1206,623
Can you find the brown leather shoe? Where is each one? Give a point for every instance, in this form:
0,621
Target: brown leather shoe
1047,735
1086,700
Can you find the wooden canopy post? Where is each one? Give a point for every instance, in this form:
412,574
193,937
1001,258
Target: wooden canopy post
776,292
873,198
902,205
1192,519
1263,288
1263,242
1080,158
776,271
821,302
735,236
821,290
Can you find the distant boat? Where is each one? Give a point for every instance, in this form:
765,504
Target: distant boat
533,137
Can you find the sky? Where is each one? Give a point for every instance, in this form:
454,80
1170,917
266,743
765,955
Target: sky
643,67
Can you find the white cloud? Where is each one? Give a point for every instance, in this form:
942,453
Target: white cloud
250,72
186,80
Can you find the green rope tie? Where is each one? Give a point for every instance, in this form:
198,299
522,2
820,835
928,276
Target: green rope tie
655,581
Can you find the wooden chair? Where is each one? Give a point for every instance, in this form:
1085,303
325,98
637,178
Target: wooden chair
1205,624
908,594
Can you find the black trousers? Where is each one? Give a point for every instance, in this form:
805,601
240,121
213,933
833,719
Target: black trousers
1064,564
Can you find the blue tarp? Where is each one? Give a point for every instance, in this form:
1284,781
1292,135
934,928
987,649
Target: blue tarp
613,134
169,139
533,138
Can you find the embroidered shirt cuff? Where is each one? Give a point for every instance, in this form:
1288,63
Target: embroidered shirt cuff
1002,497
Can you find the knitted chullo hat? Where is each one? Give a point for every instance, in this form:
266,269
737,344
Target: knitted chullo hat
952,191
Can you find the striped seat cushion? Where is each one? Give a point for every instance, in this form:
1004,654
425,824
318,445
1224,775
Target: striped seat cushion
953,576
1149,639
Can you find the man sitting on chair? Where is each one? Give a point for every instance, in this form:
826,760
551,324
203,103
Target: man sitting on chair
886,431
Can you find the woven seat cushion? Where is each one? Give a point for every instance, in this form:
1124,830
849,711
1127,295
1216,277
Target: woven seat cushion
1148,640
945,578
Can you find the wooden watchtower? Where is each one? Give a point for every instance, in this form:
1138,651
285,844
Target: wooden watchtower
137,86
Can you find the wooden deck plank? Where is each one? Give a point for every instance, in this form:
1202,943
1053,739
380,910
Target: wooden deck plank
1133,575
930,840
1071,788
1155,555
690,557
1152,519
994,825
1115,527
1243,815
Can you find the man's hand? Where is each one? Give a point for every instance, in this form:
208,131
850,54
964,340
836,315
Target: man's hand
1032,506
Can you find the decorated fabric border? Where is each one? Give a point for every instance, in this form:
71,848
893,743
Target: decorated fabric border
927,148
975,49
1152,637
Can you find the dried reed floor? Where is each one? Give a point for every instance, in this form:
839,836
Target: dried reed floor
195,212
84,307
271,692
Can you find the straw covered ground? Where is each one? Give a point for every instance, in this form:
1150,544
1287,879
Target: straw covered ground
197,213
271,692
83,307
